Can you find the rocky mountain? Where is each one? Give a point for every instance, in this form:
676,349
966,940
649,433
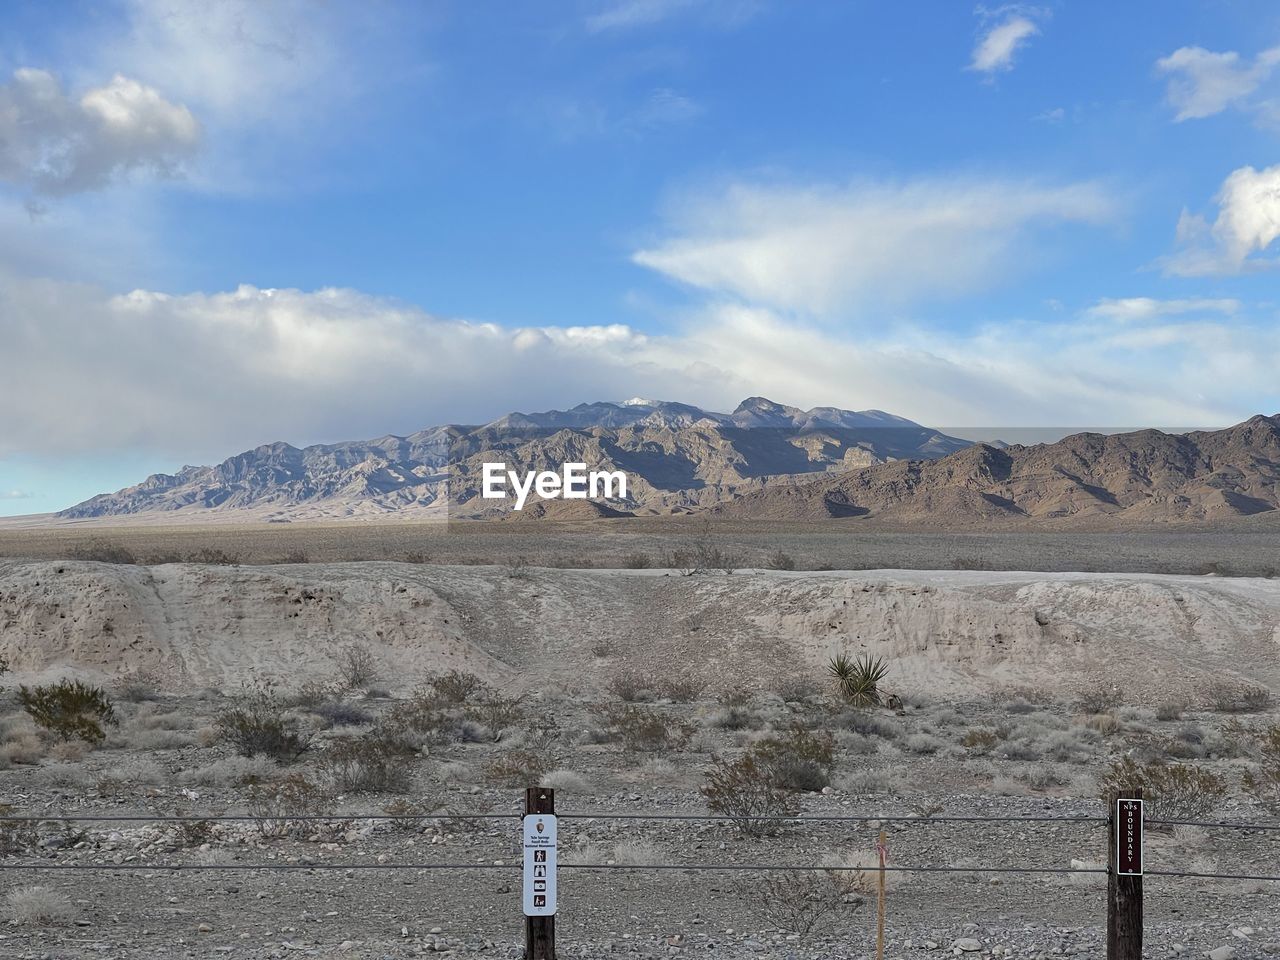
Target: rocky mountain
1142,476
677,457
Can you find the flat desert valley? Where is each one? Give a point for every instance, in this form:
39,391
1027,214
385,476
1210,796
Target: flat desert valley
319,674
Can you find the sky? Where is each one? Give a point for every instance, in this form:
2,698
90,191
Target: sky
231,222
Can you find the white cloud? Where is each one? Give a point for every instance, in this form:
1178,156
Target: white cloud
617,15
1247,224
58,144
1006,30
201,376
1141,309
822,249
15,495
1203,83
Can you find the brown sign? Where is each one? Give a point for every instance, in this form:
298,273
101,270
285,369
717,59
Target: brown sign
1129,837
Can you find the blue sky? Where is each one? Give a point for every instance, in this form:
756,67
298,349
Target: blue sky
231,223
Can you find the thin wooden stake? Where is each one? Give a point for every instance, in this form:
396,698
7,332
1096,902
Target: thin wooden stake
539,932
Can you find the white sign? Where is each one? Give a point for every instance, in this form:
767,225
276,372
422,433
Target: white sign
574,482
539,865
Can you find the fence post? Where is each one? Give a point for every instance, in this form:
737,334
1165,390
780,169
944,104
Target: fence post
1124,875
540,932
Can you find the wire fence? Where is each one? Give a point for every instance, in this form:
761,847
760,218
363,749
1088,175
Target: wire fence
8,863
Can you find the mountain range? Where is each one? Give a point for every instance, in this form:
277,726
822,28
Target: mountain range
1145,476
678,457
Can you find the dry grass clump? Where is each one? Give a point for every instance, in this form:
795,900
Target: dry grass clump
1237,696
261,726
371,764
1264,782
232,772
521,767
21,747
804,902
455,687
356,667
566,781
643,729
38,906
632,686
289,806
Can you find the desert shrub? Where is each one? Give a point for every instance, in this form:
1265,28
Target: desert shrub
521,767
104,551
565,780
38,906
802,902
780,561
1099,700
1237,696
22,747
259,725
1171,709
793,689
312,693
736,718
704,554
857,679
1173,791
683,689
518,568
1105,723
734,695
371,764
801,760
231,772
631,686
980,739
140,686
637,561
287,807
356,666
870,724
496,712
923,743
293,557
69,710
4,665
744,790
643,729
339,713
456,686
212,556
1264,783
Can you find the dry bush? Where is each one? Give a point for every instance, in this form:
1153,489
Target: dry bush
104,551
631,686
521,767
212,556
69,709
643,729
734,695
22,747
1264,784
232,772
566,781
780,561
683,689
1105,723
1237,696
339,713
1171,709
1099,700
518,568
372,764
1173,791
456,686
801,760
288,807
744,790
495,712
139,686
38,906
357,669
803,902
980,739
637,561
260,725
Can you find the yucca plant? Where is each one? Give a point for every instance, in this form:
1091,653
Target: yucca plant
857,679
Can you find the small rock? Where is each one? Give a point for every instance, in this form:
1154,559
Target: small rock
970,945
1222,953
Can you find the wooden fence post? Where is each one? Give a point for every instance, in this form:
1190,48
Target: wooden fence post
1124,875
540,932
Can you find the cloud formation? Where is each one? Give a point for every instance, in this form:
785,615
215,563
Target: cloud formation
15,495
202,376
619,15
822,249
1203,83
56,144
1006,30
1247,224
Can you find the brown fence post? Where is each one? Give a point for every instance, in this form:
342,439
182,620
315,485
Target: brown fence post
539,932
1124,875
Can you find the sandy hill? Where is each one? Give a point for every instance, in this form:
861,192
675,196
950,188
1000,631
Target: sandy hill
1146,476
944,632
